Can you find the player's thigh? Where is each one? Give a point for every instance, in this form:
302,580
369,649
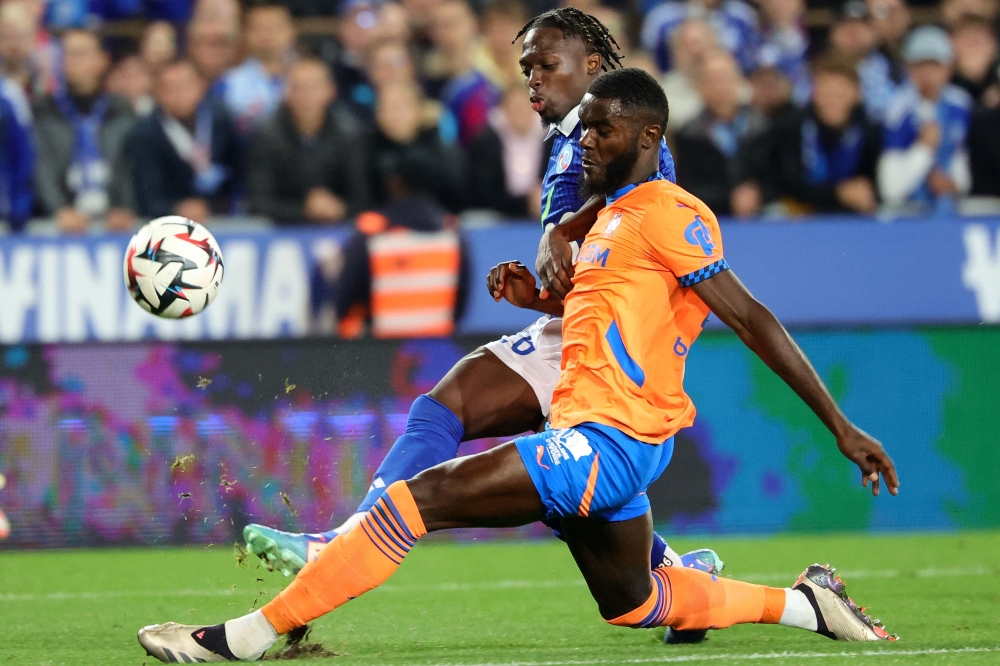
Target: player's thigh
488,397
614,560
490,489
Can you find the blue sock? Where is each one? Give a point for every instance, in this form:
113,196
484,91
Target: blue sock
658,550
432,436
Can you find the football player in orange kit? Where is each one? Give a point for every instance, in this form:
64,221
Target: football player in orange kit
649,272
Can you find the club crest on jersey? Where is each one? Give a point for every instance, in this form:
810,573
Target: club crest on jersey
697,233
612,225
565,158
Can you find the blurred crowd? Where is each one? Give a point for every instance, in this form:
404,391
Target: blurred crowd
315,112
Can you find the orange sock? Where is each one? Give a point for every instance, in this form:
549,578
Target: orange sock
353,563
689,599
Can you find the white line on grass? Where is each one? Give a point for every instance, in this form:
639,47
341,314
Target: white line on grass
666,659
956,572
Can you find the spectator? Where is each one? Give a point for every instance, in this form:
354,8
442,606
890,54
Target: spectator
309,162
824,159
975,44
130,79
984,152
468,94
158,46
405,124
713,150
925,162
505,159
502,19
16,165
890,21
62,15
185,155
18,65
406,272
356,31
688,45
390,63
772,90
222,12
211,47
785,43
852,36
253,90
734,22
80,136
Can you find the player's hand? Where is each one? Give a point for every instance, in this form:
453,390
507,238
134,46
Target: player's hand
867,453
930,135
554,263
513,282
940,183
858,194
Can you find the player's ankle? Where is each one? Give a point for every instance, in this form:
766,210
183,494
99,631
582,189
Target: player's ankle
250,636
800,611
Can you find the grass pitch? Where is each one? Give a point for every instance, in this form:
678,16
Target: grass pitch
513,603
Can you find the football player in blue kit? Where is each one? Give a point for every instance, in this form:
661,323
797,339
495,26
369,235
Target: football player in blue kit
505,387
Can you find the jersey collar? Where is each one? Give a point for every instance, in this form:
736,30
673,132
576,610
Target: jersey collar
566,125
620,192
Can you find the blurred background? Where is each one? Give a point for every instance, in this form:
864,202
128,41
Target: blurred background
851,150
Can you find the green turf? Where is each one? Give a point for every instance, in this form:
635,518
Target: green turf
505,603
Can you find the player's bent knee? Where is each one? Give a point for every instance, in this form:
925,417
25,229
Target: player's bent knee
437,492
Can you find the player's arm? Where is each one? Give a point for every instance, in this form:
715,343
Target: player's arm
512,281
761,331
554,262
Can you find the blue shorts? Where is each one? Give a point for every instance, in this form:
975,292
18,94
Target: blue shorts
593,470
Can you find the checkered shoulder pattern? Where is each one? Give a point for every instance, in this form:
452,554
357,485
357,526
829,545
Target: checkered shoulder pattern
691,279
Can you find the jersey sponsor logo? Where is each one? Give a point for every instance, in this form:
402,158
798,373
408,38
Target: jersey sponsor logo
566,442
612,225
565,158
697,233
594,253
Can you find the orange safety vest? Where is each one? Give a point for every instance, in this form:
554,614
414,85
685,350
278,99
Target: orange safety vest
414,283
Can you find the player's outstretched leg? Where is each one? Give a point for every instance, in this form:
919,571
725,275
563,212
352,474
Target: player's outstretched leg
480,397
693,600
491,489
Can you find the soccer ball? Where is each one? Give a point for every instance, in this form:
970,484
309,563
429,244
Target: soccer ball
173,267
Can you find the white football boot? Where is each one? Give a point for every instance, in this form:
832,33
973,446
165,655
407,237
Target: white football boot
837,615
174,643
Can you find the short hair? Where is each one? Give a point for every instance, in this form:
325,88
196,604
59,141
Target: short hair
637,92
181,63
835,63
87,34
574,23
972,22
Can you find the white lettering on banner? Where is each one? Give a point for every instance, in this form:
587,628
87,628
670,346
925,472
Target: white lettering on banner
17,292
233,312
93,281
50,294
285,291
981,271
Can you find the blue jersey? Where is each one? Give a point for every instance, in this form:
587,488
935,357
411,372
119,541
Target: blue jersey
908,111
17,160
561,184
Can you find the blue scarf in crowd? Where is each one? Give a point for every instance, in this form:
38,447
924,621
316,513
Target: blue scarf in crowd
88,173
824,166
727,136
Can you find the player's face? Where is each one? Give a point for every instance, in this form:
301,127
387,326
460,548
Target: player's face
557,70
610,146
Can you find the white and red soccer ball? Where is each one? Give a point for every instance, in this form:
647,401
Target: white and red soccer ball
173,267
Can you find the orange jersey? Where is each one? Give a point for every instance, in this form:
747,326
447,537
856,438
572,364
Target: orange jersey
631,317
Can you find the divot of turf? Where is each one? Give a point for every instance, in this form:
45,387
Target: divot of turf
297,646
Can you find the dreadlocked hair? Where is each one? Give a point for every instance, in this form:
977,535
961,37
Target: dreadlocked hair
575,23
